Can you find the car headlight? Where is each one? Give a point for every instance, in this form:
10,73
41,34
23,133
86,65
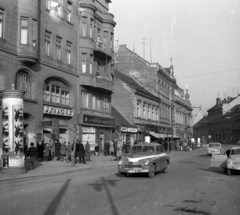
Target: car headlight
145,162
120,162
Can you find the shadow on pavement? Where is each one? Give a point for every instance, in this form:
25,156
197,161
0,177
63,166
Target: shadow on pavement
213,169
104,184
188,210
36,165
56,201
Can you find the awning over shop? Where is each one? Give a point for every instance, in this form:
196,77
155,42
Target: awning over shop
157,135
172,136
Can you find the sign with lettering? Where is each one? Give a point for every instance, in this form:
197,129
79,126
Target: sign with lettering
88,129
130,130
57,111
98,120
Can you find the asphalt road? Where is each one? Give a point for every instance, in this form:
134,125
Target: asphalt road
190,186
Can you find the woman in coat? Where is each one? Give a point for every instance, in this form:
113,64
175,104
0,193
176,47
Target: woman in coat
63,151
40,150
46,152
87,151
81,153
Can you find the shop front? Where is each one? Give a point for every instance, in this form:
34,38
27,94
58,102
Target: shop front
58,124
129,134
95,129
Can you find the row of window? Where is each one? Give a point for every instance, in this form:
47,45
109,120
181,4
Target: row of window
95,102
147,111
59,47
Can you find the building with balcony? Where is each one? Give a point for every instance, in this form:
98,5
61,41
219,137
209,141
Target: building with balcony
60,53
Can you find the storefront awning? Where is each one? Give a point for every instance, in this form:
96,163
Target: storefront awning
157,135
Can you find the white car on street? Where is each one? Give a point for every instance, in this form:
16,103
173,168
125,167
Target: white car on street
214,149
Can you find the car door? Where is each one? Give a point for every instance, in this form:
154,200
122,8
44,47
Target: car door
157,158
162,158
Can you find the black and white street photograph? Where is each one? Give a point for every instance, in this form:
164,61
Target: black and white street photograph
116,107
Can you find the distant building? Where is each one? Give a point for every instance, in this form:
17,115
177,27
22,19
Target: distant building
160,81
222,123
139,107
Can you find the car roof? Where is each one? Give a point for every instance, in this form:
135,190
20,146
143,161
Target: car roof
147,144
214,143
236,147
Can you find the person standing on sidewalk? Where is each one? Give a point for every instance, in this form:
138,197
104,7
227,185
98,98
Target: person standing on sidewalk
57,149
81,152
87,151
46,152
40,150
63,151
96,149
32,152
50,150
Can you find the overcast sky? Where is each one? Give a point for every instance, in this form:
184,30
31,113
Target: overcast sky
201,36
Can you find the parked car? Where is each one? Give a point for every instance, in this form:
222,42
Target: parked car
144,158
230,161
214,149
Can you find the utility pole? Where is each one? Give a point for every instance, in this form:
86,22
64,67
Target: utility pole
143,42
150,51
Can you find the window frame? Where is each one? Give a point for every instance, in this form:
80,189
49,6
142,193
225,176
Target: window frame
48,43
84,63
69,11
59,47
24,29
2,14
51,95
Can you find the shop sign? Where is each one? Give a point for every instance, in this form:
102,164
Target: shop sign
98,120
88,130
126,129
57,111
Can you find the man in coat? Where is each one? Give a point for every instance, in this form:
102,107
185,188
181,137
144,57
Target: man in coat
81,153
40,150
57,149
32,152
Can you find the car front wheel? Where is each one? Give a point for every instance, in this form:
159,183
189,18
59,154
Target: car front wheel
151,172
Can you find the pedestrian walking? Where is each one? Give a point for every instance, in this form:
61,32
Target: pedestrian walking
111,150
63,151
87,151
81,153
96,149
40,150
115,148
119,150
32,152
57,149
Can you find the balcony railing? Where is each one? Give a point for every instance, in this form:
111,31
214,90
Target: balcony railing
103,47
104,83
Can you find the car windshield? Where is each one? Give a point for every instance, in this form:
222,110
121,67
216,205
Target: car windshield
142,150
214,145
235,152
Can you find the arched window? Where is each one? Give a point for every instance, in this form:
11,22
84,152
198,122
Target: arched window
23,82
56,91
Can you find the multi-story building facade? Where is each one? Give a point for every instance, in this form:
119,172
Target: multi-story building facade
222,123
153,77
60,53
139,106
175,107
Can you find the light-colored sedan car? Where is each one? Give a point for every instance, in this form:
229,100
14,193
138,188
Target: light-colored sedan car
230,161
214,149
144,158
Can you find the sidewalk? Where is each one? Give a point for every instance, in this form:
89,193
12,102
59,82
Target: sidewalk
57,167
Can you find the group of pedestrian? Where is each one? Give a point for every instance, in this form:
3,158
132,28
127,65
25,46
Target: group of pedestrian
82,152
